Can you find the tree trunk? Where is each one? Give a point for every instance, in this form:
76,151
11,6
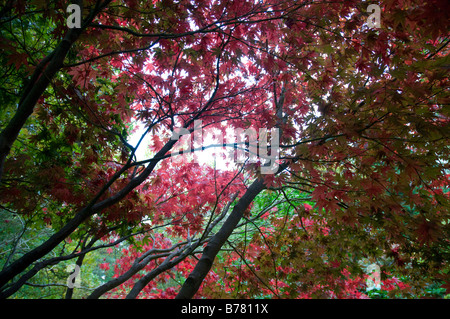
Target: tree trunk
37,85
39,81
193,282
79,263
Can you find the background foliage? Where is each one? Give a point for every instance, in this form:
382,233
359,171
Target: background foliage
361,178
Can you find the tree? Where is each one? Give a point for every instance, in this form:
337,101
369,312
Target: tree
361,111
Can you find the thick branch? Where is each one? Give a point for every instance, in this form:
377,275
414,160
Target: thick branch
21,264
169,263
193,282
39,81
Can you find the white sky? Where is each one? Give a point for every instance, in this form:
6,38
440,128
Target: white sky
204,157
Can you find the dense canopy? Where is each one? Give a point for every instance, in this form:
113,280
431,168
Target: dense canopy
347,170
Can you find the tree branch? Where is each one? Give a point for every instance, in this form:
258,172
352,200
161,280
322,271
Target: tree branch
40,80
193,282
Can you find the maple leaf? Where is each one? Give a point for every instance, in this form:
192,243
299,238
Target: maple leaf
427,232
446,286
